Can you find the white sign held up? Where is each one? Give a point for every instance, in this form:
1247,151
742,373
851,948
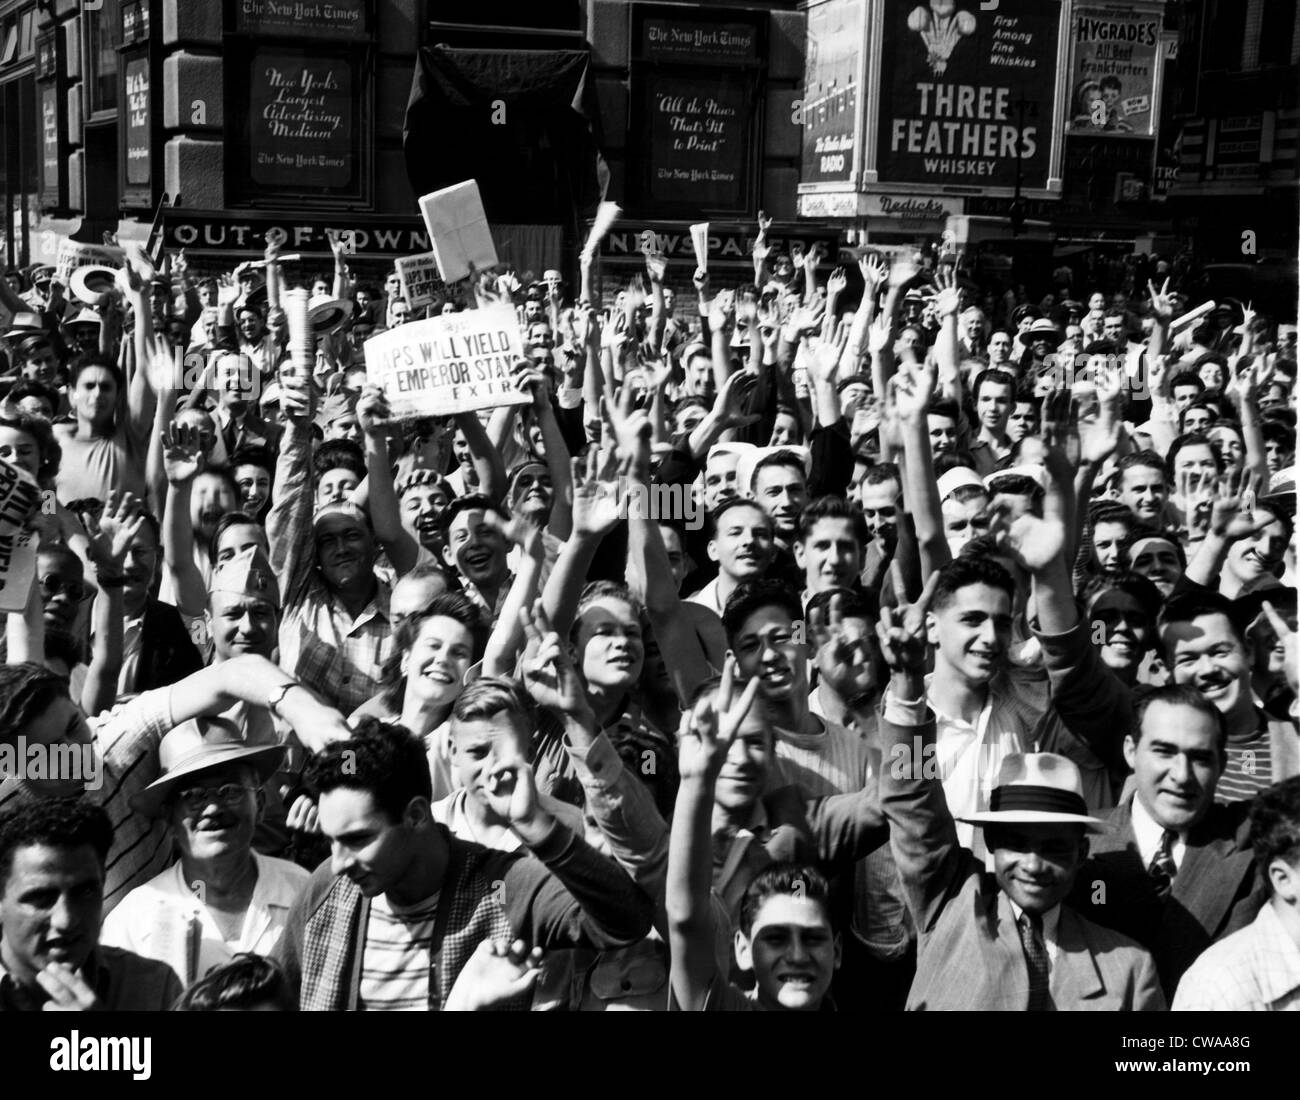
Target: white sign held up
458,230
420,280
73,254
449,364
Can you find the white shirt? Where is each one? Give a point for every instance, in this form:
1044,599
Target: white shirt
165,919
450,811
1051,921
1256,969
1148,835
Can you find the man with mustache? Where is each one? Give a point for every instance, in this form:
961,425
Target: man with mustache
220,898
743,545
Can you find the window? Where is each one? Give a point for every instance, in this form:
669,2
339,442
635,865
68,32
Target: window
103,36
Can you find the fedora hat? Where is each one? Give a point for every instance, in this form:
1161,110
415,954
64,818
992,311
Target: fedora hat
327,314
201,745
25,323
43,273
1038,788
92,284
1042,329
86,316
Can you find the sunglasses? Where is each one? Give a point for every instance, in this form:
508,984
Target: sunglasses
53,585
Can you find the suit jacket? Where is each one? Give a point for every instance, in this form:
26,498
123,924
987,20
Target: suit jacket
167,653
1215,892
969,953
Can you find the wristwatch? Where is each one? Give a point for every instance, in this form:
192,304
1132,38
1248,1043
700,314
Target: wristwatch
277,696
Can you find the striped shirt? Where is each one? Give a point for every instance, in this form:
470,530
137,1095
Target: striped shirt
1249,769
397,959
126,739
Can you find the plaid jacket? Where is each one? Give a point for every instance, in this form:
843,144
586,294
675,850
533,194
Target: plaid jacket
563,894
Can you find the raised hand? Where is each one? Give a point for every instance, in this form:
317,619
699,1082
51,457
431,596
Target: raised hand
836,284
183,456
881,334
701,280
825,359
764,223
597,502
511,791
901,631
1099,435
546,669
949,296
1032,542
1231,507
1162,303
874,272
1244,389
520,530
1287,636
721,309
117,526
629,430
845,657
913,385
532,381
496,974
807,319
709,727
732,403
373,413
656,266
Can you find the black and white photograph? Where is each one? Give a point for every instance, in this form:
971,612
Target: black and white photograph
649,506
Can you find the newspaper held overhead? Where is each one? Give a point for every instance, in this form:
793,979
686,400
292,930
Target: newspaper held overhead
421,282
458,230
450,364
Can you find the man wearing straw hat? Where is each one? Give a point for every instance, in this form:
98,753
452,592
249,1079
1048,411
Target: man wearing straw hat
220,898
1007,940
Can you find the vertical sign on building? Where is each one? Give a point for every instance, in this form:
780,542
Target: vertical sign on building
971,99
696,103
51,98
1115,74
135,112
831,107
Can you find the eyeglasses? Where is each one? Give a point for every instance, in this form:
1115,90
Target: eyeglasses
227,795
53,585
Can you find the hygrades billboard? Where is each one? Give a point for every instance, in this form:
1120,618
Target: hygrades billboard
1114,86
972,95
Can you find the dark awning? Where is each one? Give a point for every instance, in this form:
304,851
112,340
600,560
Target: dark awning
521,122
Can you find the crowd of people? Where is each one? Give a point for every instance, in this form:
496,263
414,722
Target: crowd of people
871,642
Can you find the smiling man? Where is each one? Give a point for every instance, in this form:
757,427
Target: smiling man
389,921
1207,650
832,537
1142,486
1007,940
743,545
477,550
979,715
220,898
780,485
1176,871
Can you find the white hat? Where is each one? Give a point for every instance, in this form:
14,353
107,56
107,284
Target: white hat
1036,474
1038,788
93,283
952,480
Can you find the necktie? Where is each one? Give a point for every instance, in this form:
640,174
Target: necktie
1031,939
1163,868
